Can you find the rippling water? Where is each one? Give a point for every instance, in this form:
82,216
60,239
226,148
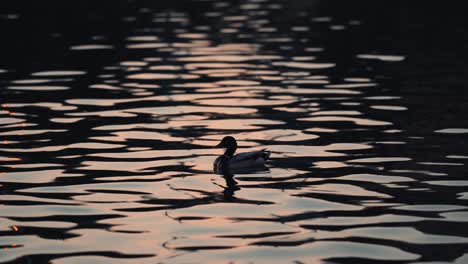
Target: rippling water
106,157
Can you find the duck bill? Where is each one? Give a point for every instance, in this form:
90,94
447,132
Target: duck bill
220,145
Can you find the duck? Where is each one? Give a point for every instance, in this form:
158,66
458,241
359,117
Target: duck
247,161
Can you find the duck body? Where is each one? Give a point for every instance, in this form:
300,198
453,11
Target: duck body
239,162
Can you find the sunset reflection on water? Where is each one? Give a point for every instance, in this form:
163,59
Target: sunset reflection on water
109,159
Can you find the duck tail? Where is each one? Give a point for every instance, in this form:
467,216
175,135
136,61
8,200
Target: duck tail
265,154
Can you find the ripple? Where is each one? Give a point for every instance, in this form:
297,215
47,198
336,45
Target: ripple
32,81
38,88
389,107
320,250
456,157
152,76
304,65
10,120
456,216
453,131
316,151
375,178
227,58
379,160
46,210
58,73
65,120
91,47
30,132
245,102
357,121
142,38
9,159
390,58
351,85
192,109
362,220
231,124
409,235
287,135
122,136
430,207
449,183
147,45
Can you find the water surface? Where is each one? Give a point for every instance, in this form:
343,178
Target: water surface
106,145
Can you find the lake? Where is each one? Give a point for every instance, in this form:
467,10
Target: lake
110,111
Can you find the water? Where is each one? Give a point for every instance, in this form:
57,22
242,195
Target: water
106,139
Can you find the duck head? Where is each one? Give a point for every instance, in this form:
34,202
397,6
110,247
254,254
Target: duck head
227,142
230,144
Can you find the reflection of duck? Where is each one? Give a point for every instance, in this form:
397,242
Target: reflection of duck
248,161
231,187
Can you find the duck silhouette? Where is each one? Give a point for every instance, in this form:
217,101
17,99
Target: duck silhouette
239,163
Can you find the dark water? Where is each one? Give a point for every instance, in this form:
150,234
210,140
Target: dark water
108,116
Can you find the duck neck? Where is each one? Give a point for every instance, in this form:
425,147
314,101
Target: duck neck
230,152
